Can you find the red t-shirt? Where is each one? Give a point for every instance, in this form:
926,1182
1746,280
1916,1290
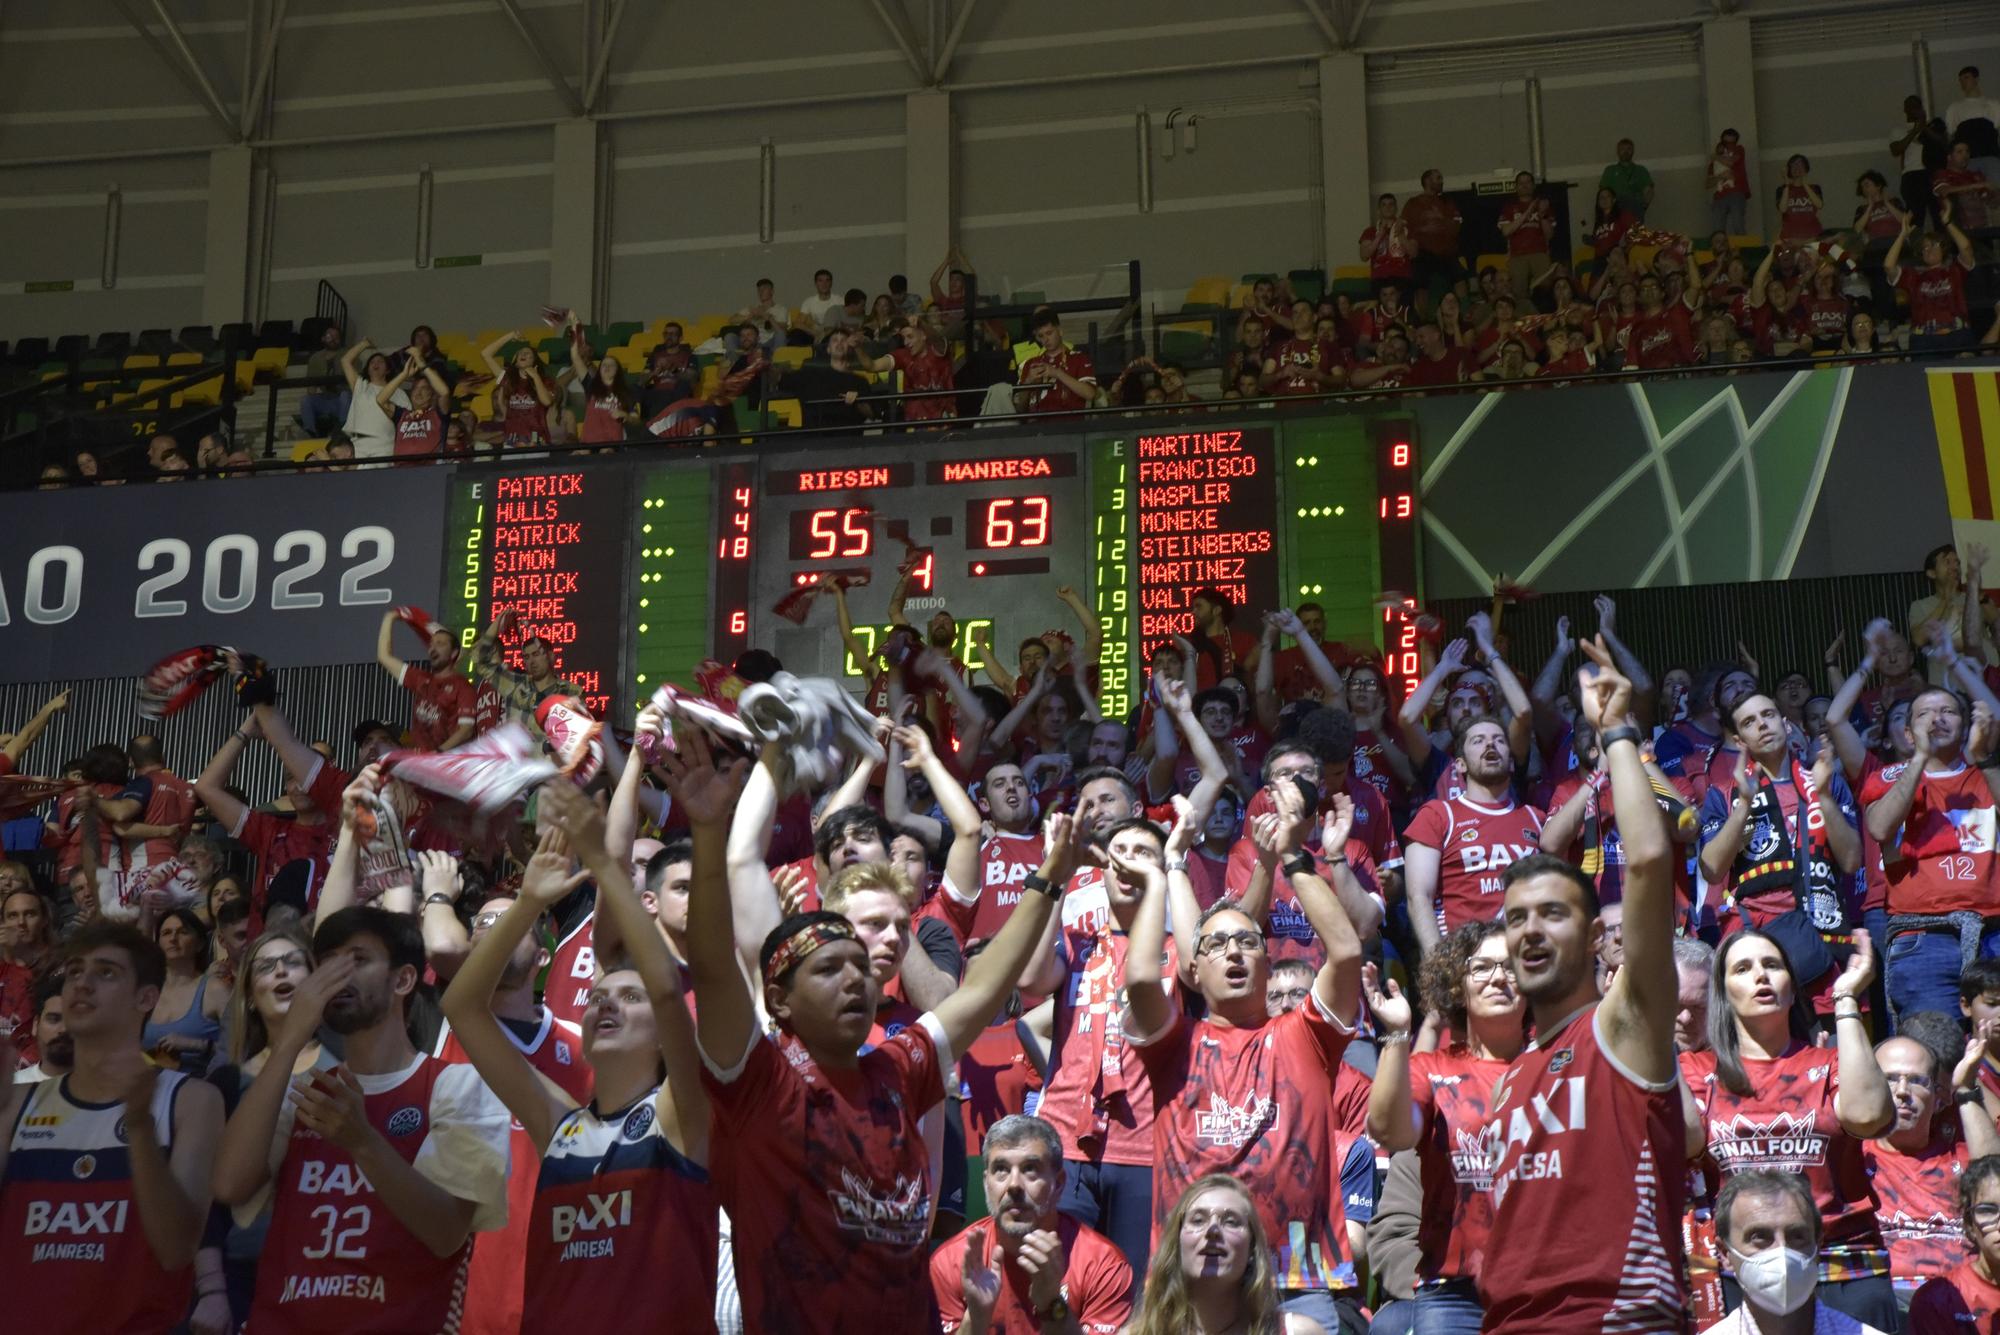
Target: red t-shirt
825,1174
1372,826
440,704
1787,1124
1878,221
522,413
1607,236
924,372
1425,372
419,434
1919,1196
1587,1192
1299,362
1371,763
1528,238
1963,1302
995,1080
1098,1097
1005,860
169,801
1798,215
1969,207
493,1291
1936,296
1097,1282
1058,397
1476,843
603,419
1388,251
1826,319
1452,1092
275,841
1662,339
1254,1103
1734,181
1941,860
572,970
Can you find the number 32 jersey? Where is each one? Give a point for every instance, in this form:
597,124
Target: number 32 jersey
337,1260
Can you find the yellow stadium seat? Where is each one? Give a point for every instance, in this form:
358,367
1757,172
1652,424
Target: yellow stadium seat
1213,291
633,362
245,376
206,391
1350,271
140,361
645,341
1238,294
184,359
271,361
708,326
711,376
146,387
302,449
790,357
787,412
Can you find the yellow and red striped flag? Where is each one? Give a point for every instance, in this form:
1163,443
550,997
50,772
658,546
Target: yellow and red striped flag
1965,408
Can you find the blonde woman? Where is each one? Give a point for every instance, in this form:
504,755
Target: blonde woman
1211,1272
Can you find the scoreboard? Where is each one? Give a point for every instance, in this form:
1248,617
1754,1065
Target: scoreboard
636,569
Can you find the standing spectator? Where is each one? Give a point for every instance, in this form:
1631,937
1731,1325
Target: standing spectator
442,709
1569,1252
1762,1066
1962,189
1386,247
1026,1267
1943,609
1272,1074
819,313
1799,202
1728,184
925,366
1457,849
1059,378
326,406
1936,814
950,298
420,424
1920,150
1629,182
1974,119
1914,1165
1879,215
165,809
1436,1102
1969,1297
1434,223
367,425
522,392
1610,221
609,405
1935,287
115,1135
1527,222
418,1146
1767,1223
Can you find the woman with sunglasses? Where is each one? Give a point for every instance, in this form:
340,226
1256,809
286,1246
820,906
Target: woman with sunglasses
1434,1101
1769,1099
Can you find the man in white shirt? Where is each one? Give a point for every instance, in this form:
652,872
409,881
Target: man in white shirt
1975,118
816,313
1769,1229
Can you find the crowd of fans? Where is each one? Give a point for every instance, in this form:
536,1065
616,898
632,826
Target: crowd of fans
1592,995
1910,267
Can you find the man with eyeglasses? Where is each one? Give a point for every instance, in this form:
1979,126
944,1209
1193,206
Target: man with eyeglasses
1243,1093
1914,1167
554,1047
1967,1299
1291,982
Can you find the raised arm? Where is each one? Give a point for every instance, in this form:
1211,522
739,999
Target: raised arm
1862,1103
1093,632
385,396
490,354
751,901
723,909
210,784
1628,662
537,1104
1410,718
961,859
966,1012
1843,840
300,760
1892,263
1024,708
385,647
1394,1121
16,745
243,1164
1149,1006
857,648
1718,853
349,362
896,789
989,662
1637,1016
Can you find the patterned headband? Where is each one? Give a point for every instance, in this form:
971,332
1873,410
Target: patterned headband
803,943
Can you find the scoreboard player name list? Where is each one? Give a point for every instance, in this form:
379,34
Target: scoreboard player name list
1197,527
535,571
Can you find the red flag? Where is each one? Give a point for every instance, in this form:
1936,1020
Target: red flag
573,736
177,681
797,603
479,787
22,793
420,621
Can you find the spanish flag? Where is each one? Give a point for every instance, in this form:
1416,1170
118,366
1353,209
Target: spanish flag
1965,407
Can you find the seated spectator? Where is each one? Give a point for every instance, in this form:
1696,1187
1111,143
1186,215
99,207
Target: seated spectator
1215,1271
1610,221
816,315
771,319
748,352
1728,183
1912,1165
1304,364
1373,323
1630,184
1436,362
1879,215
1826,310
1799,202
925,365
884,315
1058,379
1252,348
1490,342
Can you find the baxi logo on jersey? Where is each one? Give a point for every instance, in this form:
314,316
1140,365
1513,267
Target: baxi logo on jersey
1787,1142
1226,1125
599,1214
899,1216
85,1221
405,1121
1518,1134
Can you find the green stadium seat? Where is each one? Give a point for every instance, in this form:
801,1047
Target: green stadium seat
1184,344
1308,284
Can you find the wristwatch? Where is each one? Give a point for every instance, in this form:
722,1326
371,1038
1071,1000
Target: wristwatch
1057,1310
439,898
1299,864
1965,1096
1624,733
1038,883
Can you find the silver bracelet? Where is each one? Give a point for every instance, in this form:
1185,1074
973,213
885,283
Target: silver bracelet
1394,1036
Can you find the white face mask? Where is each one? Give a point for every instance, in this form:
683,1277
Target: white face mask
1778,1280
